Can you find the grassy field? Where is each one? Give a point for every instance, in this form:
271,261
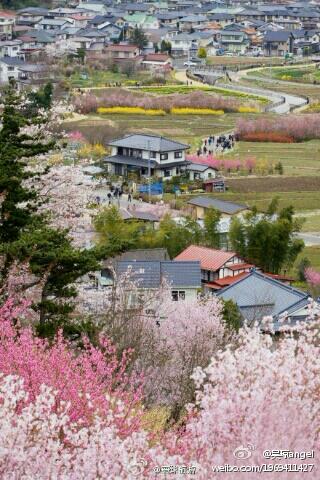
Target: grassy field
311,221
297,158
188,129
183,89
302,201
102,78
290,73
274,184
312,253
309,90
243,61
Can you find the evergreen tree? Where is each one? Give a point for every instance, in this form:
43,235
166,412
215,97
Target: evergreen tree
42,98
211,222
138,38
25,234
268,240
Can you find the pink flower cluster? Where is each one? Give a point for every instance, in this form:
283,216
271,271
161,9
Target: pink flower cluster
298,127
123,98
312,276
223,163
82,378
70,414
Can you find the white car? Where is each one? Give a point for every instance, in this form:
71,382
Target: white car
190,64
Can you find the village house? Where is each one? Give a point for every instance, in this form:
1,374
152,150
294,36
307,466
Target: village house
150,269
183,278
9,68
157,62
257,295
147,154
11,48
215,264
278,43
7,22
199,205
122,52
201,171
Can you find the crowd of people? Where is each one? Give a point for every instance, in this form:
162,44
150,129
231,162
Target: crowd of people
217,144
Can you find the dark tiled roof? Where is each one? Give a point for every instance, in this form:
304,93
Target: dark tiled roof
149,142
12,61
279,36
124,160
150,274
258,295
221,205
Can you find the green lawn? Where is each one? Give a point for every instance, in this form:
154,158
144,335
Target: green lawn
244,61
290,73
311,221
102,78
190,129
183,89
312,253
309,90
296,158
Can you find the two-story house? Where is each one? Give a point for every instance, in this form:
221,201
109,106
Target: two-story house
278,43
7,22
147,155
216,265
122,52
234,41
9,69
11,48
183,278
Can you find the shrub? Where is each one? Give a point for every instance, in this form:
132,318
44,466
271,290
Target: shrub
123,98
195,111
248,110
285,129
131,110
267,137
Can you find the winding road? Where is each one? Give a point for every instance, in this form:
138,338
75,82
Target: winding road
282,103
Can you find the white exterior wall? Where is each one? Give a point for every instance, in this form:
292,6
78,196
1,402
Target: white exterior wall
209,173
145,155
6,74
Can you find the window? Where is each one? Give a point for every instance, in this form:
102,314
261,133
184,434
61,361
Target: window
177,154
182,295
178,295
10,69
167,173
164,156
153,154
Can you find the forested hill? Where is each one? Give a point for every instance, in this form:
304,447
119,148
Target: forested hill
16,4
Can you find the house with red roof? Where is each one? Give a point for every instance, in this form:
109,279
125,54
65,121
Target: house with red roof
122,52
216,265
7,21
220,269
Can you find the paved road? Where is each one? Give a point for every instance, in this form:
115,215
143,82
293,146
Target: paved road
274,97
310,238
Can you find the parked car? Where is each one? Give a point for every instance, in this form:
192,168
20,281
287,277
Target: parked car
190,63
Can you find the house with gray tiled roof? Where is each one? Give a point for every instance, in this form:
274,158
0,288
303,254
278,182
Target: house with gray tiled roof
183,278
278,43
147,154
257,295
199,205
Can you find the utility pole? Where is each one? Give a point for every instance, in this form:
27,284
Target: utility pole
149,172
